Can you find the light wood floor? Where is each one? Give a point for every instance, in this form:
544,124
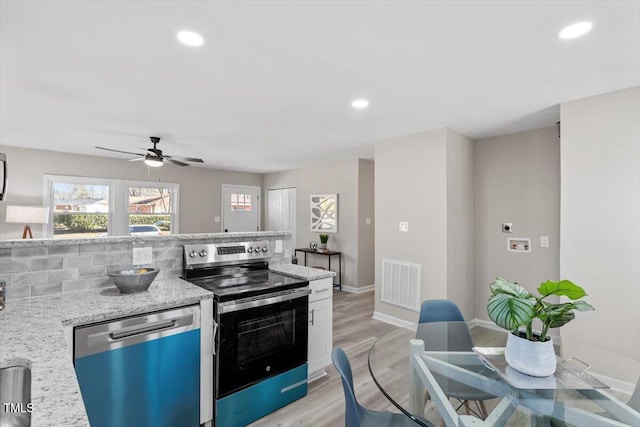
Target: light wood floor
354,330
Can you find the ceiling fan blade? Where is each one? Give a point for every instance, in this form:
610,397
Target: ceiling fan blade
185,159
139,159
175,162
118,151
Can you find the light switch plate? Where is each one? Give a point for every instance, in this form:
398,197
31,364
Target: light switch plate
216,219
404,227
367,221
142,256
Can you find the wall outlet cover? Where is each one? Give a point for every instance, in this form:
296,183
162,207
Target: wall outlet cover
142,256
404,227
544,241
278,246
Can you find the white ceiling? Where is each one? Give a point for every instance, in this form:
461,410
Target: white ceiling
271,87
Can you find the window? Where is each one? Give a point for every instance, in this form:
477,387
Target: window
80,210
95,207
150,205
240,202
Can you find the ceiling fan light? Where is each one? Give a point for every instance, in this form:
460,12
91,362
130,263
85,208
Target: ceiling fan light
152,161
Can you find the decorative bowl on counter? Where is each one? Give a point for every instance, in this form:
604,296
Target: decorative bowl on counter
133,280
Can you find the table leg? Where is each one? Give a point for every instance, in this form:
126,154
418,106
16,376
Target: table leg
340,271
416,388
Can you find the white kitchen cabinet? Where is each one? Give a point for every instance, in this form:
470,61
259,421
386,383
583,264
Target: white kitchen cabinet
320,326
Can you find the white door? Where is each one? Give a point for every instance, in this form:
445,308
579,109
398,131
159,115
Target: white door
240,208
281,211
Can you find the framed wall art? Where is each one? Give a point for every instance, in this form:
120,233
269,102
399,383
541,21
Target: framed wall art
324,213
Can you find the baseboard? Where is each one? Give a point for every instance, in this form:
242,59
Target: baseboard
394,320
360,290
615,384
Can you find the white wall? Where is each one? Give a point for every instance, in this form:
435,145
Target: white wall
336,177
460,222
411,186
600,228
200,188
517,180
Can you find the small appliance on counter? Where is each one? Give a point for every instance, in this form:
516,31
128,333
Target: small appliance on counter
260,362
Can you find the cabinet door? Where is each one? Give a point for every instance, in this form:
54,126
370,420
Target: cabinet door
320,334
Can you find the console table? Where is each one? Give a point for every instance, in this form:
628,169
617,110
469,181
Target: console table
329,254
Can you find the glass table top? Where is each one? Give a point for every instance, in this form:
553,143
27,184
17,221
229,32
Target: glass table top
404,380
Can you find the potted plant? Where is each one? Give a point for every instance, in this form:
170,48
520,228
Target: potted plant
512,307
323,241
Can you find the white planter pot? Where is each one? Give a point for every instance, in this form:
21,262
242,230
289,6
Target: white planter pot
322,246
530,357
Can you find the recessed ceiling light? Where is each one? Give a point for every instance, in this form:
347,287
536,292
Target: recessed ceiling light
190,38
360,104
575,30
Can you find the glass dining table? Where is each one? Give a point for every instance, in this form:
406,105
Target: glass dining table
409,376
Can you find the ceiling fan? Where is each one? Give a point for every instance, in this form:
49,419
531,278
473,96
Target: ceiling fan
154,156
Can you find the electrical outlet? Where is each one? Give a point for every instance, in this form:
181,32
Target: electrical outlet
404,227
278,246
367,221
142,256
544,241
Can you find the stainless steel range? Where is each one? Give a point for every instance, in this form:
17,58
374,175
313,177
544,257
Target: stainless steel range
261,319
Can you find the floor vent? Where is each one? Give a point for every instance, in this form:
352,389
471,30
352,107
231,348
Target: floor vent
401,284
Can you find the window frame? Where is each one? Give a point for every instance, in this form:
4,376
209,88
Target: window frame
118,215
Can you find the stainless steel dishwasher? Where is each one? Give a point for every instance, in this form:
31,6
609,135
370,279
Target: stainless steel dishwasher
141,371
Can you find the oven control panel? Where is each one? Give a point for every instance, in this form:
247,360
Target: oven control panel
226,252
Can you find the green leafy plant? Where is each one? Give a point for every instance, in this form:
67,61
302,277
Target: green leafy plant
511,306
324,238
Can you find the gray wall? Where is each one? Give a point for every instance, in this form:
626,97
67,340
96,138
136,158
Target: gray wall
460,222
337,177
366,233
411,186
601,228
200,188
517,180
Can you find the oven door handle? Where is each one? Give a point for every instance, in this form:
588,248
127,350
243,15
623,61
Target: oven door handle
231,306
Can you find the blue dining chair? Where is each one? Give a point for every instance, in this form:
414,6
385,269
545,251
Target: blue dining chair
447,311
357,415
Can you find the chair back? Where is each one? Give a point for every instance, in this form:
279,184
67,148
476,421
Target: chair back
440,310
341,362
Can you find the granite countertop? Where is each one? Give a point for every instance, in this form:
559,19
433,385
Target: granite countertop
32,332
301,272
16,243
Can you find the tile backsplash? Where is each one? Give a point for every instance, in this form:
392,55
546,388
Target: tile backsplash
36,270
